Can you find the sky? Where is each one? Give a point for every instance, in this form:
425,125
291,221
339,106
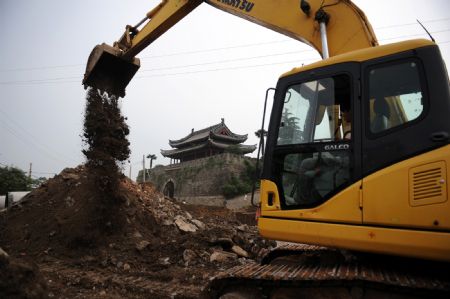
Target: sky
211,65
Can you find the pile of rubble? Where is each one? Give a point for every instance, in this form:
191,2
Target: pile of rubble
152,245
20,279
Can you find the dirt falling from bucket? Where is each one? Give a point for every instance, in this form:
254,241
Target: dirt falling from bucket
105,136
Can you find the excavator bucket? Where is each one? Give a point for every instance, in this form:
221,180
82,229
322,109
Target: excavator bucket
108,71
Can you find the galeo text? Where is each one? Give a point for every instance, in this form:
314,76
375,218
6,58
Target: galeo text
334,147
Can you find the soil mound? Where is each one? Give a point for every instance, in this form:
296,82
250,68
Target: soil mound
151,247
20,279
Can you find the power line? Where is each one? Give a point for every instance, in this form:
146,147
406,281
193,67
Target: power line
224,69
42,68
170,74
36,145
41,80
409,24
206,50
226,60
414,35
35,139
59,80
34,172
50,81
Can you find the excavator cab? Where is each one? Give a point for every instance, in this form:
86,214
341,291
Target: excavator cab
109,71
384,183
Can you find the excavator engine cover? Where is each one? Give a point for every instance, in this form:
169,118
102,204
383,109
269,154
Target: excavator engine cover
108,71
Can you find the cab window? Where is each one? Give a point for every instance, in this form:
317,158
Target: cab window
316,111
395,96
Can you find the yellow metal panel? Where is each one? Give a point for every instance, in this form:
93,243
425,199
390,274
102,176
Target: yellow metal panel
163,17
405,242
386,195
348,28
269,196
365,54
343,207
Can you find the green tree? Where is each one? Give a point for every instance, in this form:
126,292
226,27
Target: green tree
35,183
243,183
13,179
151,157
289,129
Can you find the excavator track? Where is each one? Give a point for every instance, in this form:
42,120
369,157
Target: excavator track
305,271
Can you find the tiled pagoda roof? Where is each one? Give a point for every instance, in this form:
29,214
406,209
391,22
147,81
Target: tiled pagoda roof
211,140
219,132
174,153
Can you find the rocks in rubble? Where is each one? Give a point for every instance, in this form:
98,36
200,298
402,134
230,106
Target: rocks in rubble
71,173
222,256
164,261
20,279
137,235
167,222
198,223
126,266
184,225
70,176
242,227
3,254
142,245
69,201
158,237
239,251
189,257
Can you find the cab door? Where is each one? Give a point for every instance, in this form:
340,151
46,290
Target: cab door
405,153
313,153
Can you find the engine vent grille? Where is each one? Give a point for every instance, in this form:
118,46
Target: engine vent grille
428,184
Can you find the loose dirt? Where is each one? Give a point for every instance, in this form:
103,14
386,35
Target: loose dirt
162,249
91,233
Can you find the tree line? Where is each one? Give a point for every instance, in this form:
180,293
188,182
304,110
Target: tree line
14,179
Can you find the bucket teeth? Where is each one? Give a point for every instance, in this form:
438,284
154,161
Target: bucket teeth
108,71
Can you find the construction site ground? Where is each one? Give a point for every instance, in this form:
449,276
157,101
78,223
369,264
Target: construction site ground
53,247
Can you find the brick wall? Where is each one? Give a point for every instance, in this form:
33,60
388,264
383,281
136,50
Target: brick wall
197,178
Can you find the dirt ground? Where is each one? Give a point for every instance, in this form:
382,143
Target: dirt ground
57,244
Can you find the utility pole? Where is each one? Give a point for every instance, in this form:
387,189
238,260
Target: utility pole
130,173
143,168
29,175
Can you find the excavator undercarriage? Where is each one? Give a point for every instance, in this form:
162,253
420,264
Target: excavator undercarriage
308,271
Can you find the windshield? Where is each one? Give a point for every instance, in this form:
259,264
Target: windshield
316,111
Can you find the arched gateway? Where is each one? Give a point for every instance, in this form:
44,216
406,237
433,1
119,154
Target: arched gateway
169,189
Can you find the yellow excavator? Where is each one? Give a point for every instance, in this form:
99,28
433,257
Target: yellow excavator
355,161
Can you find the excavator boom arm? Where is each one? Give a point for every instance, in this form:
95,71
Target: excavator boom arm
347,29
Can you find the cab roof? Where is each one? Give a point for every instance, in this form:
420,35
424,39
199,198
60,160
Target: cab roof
364,54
